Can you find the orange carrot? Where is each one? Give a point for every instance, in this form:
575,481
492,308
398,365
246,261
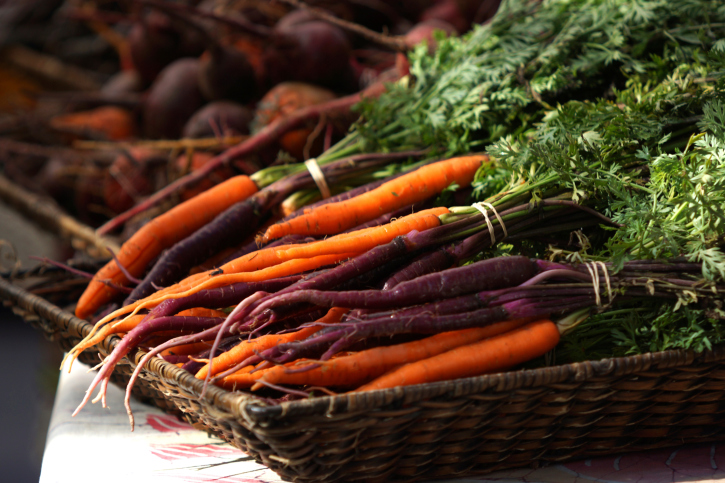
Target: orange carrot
363,366
245,349
286,257
242,379
415,186
484,357
188,349
160,233
114,123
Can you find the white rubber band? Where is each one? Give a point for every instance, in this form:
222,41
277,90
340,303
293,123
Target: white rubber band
484,212
607,280
318,177
594,272
498,217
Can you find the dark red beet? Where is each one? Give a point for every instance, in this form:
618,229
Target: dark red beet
225,73
153,43
219,118
449,11
172,99
309,51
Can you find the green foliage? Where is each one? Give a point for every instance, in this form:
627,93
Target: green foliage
647,327
615,104
501,78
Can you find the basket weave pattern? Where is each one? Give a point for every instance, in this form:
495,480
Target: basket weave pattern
456,428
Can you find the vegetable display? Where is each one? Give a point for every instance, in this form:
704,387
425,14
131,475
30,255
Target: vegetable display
548,185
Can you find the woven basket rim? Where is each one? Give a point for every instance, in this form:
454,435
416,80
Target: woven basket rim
257,411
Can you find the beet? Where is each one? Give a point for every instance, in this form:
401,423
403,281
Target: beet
172,99
220,117
282,100
309,51
153,43
225,73
450,12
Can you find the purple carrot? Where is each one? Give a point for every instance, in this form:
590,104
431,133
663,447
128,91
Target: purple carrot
174,359
228,229
484,275
330,278
207,334
434,261
221,296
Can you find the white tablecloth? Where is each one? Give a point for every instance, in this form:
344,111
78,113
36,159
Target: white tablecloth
97,446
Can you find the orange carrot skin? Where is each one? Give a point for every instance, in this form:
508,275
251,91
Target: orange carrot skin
367,238
160,233
407,189
241,379
356,369
358,241
115,123
245,349
484,357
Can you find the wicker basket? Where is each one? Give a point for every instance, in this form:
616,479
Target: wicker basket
458,428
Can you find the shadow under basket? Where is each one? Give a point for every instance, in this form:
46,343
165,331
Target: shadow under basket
450,429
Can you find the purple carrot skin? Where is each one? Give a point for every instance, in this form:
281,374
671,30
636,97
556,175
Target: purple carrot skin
229,228
379,255
343,272
297,322
207,334
440,259
221,297
486,274
367,279
138,334
175,359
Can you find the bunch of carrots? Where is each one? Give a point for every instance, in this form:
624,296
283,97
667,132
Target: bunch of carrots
373,290
352,271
